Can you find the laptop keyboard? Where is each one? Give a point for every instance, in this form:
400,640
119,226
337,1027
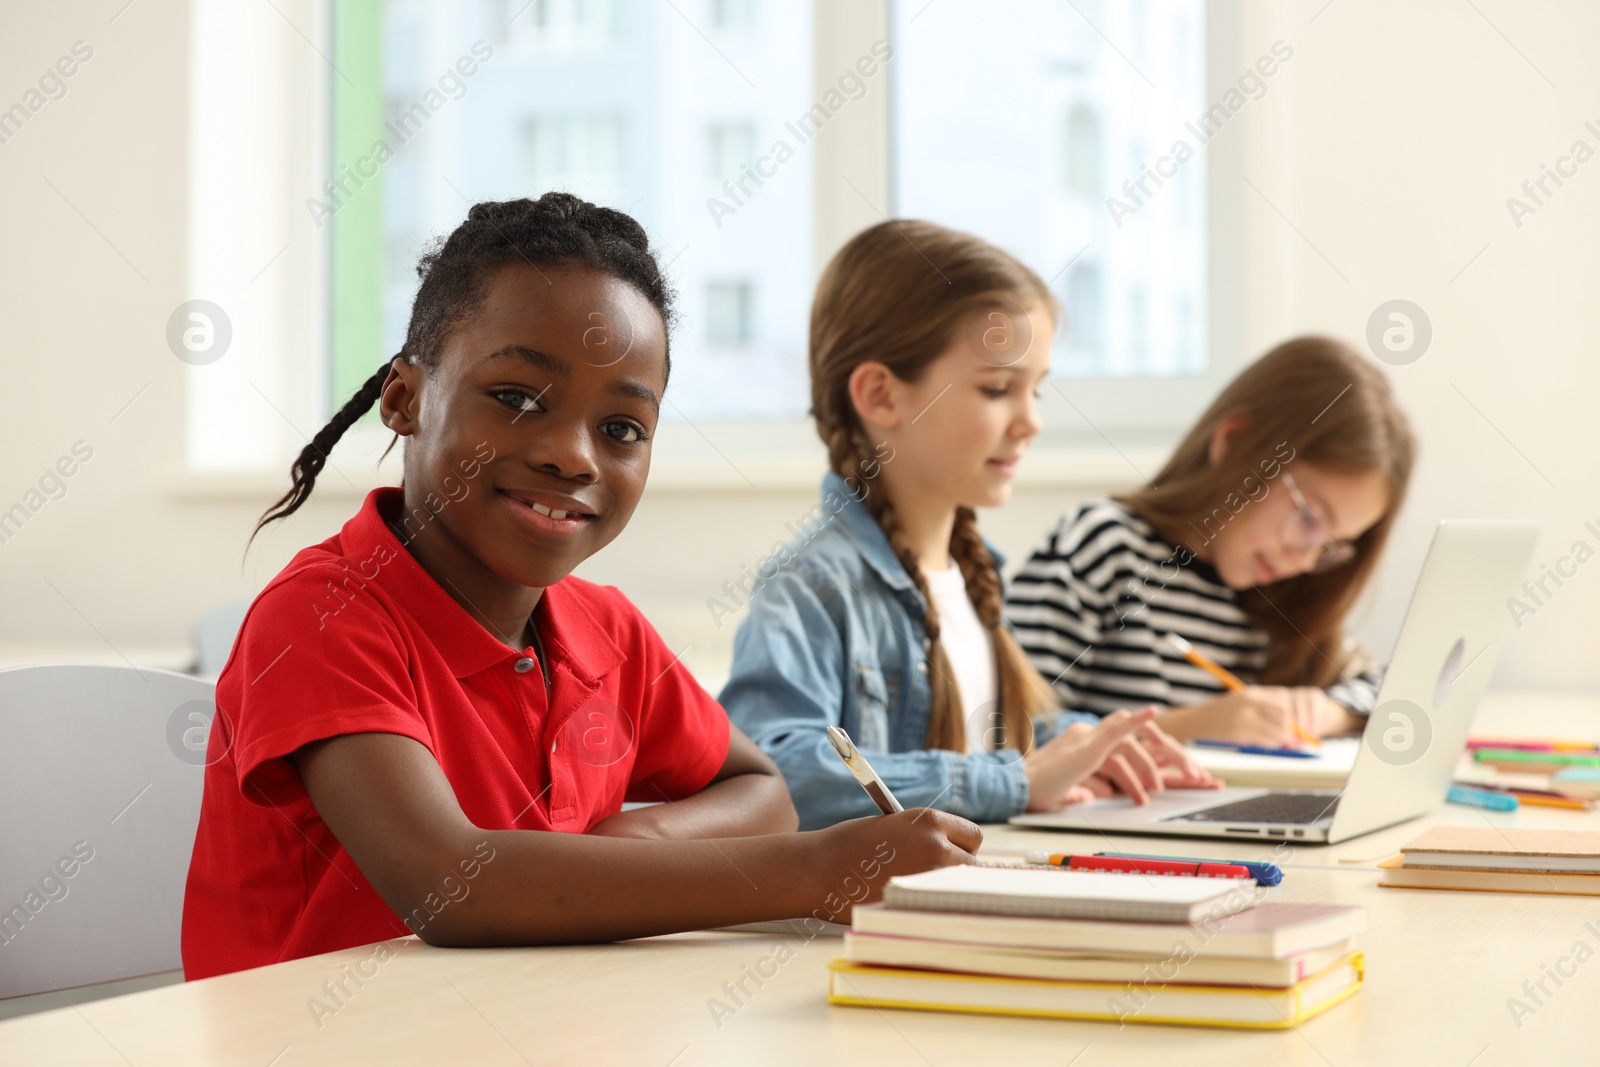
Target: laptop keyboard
1292,808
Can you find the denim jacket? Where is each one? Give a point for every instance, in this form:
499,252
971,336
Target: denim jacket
835,637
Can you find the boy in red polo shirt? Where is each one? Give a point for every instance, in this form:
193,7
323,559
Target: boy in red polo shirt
427,726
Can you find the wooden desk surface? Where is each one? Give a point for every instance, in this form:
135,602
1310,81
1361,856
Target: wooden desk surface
1442,968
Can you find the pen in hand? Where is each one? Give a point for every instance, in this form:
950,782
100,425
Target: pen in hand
876,789
1226,677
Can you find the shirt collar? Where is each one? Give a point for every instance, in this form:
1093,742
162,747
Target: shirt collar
572,635
858,524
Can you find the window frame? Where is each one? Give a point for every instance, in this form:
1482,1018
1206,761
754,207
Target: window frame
1093,426
1147,412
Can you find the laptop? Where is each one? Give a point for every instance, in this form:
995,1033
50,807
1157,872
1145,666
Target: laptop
1446,650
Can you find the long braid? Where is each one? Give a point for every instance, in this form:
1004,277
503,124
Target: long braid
849,452
314,456
946,723
1023,692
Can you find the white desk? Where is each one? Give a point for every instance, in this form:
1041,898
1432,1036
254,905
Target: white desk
1440,969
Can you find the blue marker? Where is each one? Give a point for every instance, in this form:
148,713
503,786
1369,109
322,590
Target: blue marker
1481,798
1254,750
1263,873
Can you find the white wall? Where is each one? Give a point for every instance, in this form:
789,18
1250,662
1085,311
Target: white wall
1399,134
1390,142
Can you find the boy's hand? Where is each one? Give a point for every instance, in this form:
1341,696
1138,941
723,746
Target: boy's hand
854,859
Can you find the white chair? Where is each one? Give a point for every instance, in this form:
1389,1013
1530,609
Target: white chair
213,636
100,780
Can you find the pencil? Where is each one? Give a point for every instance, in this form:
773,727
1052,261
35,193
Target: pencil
1225,676
1539,800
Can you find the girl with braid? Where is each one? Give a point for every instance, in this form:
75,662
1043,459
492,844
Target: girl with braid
428,726
885,616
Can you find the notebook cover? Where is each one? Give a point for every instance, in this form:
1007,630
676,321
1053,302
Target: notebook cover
1053,893
1496,841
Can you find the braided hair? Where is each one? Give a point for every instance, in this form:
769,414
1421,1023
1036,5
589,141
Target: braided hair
897,293
557,228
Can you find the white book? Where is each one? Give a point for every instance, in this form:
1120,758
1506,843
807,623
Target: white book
1326,766
1266,931
1053,893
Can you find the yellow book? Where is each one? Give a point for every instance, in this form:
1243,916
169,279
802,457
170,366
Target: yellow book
1232,1007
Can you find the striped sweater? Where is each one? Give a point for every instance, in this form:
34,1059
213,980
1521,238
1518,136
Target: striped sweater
1089,605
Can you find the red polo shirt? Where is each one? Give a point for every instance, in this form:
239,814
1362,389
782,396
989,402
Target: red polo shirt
354,637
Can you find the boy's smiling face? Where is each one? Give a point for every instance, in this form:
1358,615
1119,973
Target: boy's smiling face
557,378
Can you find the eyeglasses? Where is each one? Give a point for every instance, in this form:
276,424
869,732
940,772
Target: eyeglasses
1307,527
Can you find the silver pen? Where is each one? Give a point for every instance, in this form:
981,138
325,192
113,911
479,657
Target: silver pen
863,771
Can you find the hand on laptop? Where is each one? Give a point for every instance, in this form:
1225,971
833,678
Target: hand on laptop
1260,715
1125,753
1057,769
1178,769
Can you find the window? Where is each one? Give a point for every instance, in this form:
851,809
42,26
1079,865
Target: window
577,152
975,84
622,102
548,26
733,15
729,146
1082,167
730,307
335,166
1083,293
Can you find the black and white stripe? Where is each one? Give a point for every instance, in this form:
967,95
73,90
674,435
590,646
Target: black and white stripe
1091,603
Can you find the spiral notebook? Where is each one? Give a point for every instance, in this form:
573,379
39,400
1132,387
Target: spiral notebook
1053,893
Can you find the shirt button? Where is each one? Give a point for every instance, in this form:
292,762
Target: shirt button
523,665
922,668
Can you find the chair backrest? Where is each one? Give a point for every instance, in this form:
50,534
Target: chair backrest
213,636
101,771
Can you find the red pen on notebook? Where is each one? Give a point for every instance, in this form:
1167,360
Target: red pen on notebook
1171,868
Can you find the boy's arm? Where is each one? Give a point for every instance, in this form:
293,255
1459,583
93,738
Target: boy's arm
389,804
747,796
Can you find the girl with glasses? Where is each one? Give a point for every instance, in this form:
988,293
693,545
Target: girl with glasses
1252,543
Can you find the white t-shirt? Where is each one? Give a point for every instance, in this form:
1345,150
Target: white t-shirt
971,653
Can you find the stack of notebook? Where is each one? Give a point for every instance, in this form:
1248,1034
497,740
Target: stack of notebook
1083,945
1500,860
1553,773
